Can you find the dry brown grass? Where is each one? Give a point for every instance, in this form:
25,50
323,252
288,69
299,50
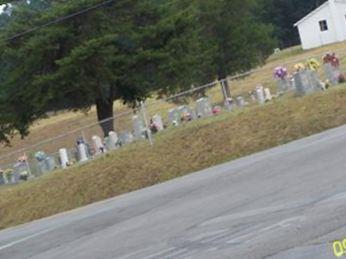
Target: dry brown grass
176,152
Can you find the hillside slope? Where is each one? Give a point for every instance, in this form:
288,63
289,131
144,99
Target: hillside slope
176,152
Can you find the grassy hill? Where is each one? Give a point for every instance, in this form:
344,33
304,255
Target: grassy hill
177,151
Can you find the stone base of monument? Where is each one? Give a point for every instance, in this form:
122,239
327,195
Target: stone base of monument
307,82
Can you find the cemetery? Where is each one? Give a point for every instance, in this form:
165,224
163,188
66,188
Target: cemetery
301,79
201,132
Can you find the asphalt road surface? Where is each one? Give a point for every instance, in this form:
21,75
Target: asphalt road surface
287,202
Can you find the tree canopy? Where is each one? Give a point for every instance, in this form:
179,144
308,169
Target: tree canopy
123,50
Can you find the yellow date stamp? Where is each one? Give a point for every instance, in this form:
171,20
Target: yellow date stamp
339,248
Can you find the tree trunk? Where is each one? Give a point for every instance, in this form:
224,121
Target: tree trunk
104,110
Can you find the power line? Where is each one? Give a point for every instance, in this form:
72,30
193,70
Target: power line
59,20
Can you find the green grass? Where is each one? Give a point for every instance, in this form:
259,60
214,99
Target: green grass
286,53
176,152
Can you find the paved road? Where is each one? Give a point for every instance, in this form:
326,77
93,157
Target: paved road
288,202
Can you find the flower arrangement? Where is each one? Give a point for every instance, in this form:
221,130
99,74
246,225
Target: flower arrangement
8,174
216,110
40,156
280,73
299,66
313,64
331,58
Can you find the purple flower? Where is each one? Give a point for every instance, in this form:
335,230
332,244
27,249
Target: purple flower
280,73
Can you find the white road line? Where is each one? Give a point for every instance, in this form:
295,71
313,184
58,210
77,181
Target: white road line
177,253
160,253
24,239
138,252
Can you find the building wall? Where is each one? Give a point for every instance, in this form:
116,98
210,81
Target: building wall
310,34
341,7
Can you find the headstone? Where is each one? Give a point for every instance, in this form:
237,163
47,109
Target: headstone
241,101
157,120
138,127
260,95
112,141
64,158
98,145
20,172
174,117
50,163
306,82
44,162
82,152
333,73
284,85
186,113
268,96
203,107
126,138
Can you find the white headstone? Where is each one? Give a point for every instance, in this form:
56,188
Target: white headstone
64,158
98,145
157,120
267,94
112,140
82,152
203,108
260,95
138,127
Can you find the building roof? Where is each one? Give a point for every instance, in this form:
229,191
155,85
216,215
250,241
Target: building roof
315,11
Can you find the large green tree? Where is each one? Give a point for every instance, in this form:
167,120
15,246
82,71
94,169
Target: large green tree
120,51
125,50
233,36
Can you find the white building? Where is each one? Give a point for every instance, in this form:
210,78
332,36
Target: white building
324,25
